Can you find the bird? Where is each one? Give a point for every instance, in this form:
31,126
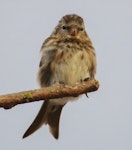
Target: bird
67,57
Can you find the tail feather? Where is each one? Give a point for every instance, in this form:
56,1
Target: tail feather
48,114
53,120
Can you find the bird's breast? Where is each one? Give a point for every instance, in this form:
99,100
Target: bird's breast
70,66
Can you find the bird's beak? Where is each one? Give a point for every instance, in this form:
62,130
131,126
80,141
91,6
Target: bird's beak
73,31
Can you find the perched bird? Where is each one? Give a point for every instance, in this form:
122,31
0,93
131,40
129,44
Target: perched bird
68,57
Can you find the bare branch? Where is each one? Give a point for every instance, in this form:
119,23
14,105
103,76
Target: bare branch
56,91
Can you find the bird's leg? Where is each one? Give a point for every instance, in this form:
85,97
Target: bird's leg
86,79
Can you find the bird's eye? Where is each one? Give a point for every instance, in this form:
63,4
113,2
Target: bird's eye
64,27
80,29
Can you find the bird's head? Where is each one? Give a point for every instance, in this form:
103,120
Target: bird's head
70,26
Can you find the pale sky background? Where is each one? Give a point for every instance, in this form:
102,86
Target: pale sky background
102,122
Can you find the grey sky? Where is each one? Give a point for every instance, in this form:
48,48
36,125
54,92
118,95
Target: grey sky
104,121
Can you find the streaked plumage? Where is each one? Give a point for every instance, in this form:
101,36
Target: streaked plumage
68,56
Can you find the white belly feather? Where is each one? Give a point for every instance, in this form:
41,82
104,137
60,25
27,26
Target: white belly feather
70,72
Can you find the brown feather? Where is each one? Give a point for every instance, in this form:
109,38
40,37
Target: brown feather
48,114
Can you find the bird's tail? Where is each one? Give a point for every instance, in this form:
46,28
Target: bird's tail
48,114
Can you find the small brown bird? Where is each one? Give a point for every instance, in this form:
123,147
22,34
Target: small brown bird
68,57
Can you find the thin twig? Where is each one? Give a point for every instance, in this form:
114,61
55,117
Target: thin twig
56,91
